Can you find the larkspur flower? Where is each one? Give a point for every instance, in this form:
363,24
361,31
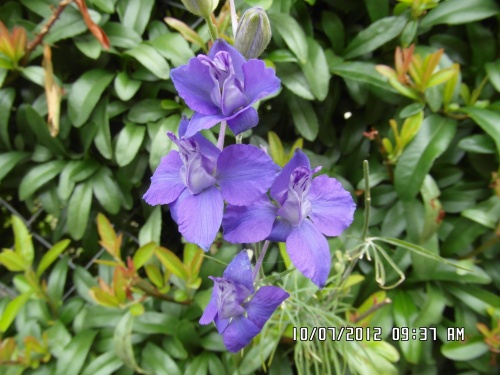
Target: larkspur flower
222,87
306,210
196,180
238,313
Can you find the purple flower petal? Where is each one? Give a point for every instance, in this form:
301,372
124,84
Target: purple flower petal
264,303
174,206
239,271
281,230
233,98
166,183
247,224
239,333
309,252
194,85
244,120
280,185
230,295
221,324
259,80
236,57
199,216
244,173
332,206
211,309
201,122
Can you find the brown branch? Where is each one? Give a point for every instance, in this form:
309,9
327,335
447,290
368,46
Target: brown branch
45,29
372,309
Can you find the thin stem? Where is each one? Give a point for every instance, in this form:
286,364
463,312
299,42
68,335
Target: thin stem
45,29
214,34
222,133
366,172
234,17
371,310
239,139
260,259
480,249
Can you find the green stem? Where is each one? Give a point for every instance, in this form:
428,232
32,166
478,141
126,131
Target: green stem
212,29
366,172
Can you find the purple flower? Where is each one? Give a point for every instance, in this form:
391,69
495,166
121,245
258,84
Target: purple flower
238,315
222,87
197,179
306,210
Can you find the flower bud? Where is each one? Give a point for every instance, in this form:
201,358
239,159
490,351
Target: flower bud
253,33
202,8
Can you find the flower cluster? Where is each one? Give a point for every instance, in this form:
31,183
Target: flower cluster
240,188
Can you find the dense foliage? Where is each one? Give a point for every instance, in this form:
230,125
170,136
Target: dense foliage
95,281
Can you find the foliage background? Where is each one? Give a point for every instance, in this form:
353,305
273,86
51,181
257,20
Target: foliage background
440,193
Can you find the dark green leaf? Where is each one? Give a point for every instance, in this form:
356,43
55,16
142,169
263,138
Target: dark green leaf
459,11
292,33
85,94
151,59
465,350
374,36
363,72
294,80
123,343
121,36
83,281
136,15
57,281
161,144
105,364
103,137
334,29
432,140
69,24
38,176
125,87
128,143
157,361
488,121
304,117
105,190
9,160
7,97
151,230
71,359
147,110
493,70
51,255
316,70
173,47
79,209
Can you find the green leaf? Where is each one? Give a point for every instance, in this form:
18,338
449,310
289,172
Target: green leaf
123,344
38,176
144,254
333,27
151,60
83,281
128,143
121,36
488,121
105,364
493,69
151,323
171,262
72,358
486,213
173,47
161,144
151,230
411,110
103,137
13,261
304,117
69,24
276,149
157,361
292,33
459,11
7,97
9,160
294,80
35,74
57,281
147,110
85,93
105,190
23,242
374,36
50,256
362,72
405,314
12,309
39,127
316,70
79,209
199,365
478,144
125,87
465,350
136,15
433,139
107,6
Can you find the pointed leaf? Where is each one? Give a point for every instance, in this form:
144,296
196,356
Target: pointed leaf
51,255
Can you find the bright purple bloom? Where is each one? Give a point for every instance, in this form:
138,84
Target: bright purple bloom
197,179
222,87
307,209
238,315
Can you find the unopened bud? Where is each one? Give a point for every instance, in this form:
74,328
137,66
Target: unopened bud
202,8
253,34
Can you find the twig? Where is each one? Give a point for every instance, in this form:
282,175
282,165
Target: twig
45,29
372,309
